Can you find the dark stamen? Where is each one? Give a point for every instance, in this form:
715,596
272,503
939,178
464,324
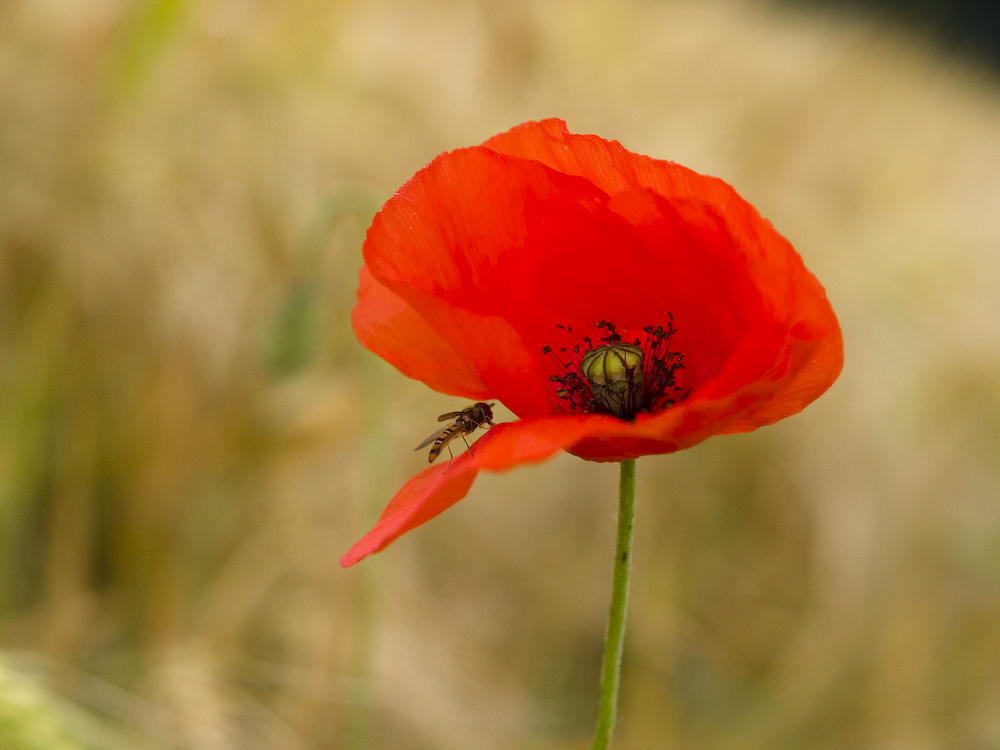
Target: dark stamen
616,378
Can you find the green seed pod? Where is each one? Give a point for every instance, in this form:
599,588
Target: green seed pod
612,363
614,372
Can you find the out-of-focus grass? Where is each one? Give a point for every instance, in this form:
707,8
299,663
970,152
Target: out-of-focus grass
183,191
28,718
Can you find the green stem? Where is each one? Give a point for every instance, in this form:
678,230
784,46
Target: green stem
615,640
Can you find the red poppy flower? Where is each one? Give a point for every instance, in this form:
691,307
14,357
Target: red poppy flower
618,305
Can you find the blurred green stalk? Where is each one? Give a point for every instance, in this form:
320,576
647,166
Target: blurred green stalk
153,26
29,719
614,642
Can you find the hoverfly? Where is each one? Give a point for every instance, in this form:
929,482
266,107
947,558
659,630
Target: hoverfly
464,423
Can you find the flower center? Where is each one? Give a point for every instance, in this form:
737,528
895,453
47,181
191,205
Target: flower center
615,377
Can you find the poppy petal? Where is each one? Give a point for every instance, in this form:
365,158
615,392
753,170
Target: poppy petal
453,243
436,489
388,326
607,164
815,361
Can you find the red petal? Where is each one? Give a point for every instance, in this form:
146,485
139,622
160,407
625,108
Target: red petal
607,163
436,489
610,264
816,357
392,329
454,244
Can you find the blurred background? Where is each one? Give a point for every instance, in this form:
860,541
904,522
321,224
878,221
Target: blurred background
190,436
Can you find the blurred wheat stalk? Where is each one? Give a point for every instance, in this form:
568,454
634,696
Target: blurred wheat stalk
29,719
183,189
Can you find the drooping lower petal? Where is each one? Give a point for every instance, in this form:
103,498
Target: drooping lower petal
436,489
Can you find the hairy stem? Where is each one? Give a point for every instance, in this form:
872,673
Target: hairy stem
615,639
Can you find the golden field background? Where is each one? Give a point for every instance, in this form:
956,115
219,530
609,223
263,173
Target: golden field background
190,436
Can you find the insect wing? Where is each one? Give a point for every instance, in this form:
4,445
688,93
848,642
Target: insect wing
432,437
451,415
